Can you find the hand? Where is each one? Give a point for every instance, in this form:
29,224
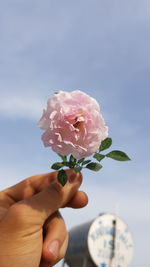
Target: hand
32,231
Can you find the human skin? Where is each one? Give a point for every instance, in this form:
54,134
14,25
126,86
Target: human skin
32,231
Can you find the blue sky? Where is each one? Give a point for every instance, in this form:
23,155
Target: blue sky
102,48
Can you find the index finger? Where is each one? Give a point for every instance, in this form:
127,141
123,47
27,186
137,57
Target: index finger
30,186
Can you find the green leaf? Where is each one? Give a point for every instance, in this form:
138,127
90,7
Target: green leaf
62,177
105,144
72,161
64,158
67,164
86,162
94,166
57,165
118,155
78,169
98,156
81,160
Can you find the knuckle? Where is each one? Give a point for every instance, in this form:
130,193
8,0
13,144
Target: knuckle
17,213
15,210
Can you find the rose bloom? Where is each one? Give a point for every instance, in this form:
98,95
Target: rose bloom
73,124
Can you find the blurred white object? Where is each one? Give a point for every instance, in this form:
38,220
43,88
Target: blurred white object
103,242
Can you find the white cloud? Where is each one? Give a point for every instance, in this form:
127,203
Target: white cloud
21,106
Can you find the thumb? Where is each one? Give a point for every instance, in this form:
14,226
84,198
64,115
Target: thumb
36,209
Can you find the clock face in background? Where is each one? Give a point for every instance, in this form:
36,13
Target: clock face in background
110,242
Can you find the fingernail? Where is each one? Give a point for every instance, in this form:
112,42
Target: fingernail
54,248
74,177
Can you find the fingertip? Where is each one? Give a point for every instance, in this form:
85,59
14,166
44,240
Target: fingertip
51,251
72,178
75,178
54,235
79,200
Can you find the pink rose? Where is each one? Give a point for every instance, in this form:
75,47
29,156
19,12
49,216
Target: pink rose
73,124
